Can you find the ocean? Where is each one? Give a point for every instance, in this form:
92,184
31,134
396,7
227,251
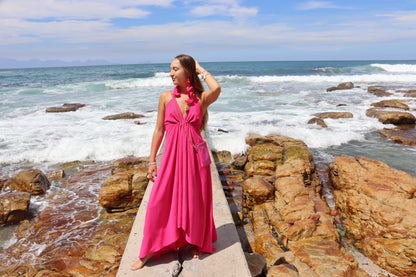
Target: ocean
257,97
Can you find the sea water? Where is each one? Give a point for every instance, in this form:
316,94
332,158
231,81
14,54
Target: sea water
257,97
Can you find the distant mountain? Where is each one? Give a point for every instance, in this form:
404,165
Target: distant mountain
11,63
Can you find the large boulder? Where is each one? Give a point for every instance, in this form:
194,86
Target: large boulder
378,204
256,191
123,191
405,134
130,164
32,181
14,207
294,231
342,86
392,103
391,117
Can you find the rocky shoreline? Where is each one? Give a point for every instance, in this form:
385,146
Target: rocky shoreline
286,227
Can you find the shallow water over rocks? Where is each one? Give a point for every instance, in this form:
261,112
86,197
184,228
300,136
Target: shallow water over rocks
71,233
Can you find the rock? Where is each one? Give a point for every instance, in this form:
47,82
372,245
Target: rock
378,91
71,167
57,175
391,117
318,121
405,134
262,167
378,205
127,115
130,164
222,156
123,191
267,151
137,122
346,85
392,103
334,115
14,207
256,191
325,257
67,107
283,270
4,183
410,93
32,181
256,263
239,162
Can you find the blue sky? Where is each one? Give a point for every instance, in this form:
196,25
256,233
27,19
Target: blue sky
137,31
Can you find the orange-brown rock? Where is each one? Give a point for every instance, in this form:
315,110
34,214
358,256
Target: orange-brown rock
391,103
262,167
378,204
123,191
391,117
342,86
130,164
256,191
318,121
32,181
14,207
298,213
222,156
378,91
410,93
128,115
405,134
334,115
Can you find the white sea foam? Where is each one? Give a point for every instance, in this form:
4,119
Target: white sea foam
397,68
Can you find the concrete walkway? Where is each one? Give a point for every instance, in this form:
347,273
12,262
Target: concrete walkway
228,260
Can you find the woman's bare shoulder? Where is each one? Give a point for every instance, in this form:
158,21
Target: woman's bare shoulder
165,96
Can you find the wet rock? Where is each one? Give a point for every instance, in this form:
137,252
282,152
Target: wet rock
378,205
334,115
239,162
318,121
379,91
57,175
392,103
67,107
405,134
222,156
130,164
32,181
267,151
123,191
256,263
14,207
4,183
127,115
342,86
410,93
137,122
391,117
70,168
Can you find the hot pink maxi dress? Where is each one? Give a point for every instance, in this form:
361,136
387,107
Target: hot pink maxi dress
179,211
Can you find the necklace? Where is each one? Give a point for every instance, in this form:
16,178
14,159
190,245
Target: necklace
189,91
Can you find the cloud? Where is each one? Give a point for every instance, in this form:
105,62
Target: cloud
312,5
224,8
403,17
67,9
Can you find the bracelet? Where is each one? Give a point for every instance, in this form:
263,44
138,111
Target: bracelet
205,76
152,163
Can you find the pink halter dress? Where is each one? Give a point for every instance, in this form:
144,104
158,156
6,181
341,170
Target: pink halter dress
179,211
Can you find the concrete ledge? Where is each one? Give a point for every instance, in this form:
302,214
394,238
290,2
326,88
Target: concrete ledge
228,260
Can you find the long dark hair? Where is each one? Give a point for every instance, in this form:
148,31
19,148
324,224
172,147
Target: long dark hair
188,64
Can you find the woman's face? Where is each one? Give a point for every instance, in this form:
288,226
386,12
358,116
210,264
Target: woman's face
177,73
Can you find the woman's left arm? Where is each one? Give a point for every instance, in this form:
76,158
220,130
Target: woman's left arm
211,95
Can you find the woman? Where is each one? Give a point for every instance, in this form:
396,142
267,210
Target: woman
179,211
